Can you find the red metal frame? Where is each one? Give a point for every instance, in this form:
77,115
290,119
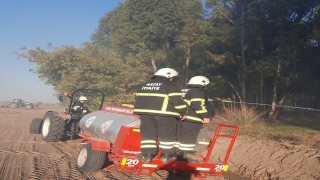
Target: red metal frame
127,146
127,142
96,144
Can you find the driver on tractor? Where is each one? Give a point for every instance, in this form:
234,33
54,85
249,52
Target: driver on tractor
76,109
77,106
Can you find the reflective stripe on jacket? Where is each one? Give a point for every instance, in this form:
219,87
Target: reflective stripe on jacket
195,97
76,107
159,97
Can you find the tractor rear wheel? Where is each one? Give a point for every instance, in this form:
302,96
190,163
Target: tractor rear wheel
35,126
89,160
12,105
52,127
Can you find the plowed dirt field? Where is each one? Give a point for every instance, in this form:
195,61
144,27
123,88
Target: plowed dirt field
26,156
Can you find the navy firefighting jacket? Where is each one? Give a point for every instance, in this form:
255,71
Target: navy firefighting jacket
159,97
197,101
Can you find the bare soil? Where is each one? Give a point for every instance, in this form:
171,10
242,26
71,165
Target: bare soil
26,156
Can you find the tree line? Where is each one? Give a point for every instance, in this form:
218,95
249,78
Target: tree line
265,51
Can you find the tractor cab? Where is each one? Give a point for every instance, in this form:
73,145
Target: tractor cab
76,107
64,125
18,101
93,102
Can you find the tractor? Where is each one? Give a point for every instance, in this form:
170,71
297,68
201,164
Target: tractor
59,126
20,103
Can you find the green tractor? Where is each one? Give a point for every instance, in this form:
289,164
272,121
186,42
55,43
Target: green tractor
20,103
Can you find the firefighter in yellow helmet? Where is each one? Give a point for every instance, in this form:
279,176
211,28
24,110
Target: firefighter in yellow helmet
198,113
159,103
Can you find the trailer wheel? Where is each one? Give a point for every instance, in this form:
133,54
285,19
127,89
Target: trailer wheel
203,138
89,160
35,126
52,127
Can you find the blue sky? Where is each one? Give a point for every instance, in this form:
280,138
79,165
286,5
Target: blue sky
33,23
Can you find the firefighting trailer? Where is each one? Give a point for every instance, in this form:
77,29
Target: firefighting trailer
112,136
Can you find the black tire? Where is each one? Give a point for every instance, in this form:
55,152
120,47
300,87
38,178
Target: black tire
35,126
52,127
89,160
12,105
29,106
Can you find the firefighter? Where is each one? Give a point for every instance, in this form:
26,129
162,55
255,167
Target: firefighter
77,106
76,109
159,103
195,95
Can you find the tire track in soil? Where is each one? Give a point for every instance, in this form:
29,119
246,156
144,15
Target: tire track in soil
15,136
3,169
27,142
69,152
12,134
89,176
24,153
16,163
14,167
62,168
7,129
108,175
120,175
40,174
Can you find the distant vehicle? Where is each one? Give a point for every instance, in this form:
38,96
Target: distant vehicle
20,103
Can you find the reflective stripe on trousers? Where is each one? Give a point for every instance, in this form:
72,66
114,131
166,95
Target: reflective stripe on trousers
148,144
166,145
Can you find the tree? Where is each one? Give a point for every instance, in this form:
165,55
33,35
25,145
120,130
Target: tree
68,68
137,26
265,44
192,31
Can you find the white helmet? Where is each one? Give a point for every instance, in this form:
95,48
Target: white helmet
82,98
199,80
166,72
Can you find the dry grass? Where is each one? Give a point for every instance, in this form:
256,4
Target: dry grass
241,115
296,130
294,135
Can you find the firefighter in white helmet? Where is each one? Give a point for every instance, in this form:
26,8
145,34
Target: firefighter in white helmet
195,95
77,106
76,109
159,103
